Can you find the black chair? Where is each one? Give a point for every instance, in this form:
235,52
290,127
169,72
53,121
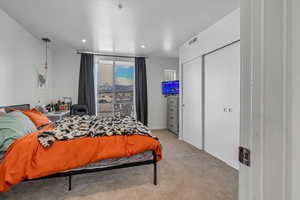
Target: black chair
80,110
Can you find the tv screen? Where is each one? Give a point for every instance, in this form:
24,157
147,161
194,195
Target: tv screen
170,87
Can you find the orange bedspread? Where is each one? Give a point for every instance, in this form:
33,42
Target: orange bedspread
27,159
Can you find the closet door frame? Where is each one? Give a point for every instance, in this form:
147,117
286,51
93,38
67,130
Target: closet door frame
181,120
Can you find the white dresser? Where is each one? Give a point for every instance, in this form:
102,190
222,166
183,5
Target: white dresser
173,114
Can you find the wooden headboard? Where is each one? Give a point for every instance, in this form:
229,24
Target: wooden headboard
16,107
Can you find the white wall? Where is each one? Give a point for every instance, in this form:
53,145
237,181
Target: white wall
225,31
66,76
293,142
21,55
157,103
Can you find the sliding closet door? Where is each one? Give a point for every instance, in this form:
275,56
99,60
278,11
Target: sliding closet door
192,102
222,103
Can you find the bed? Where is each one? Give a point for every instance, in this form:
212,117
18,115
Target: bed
146,157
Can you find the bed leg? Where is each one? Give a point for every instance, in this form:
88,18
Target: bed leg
155,173
155,167
70,183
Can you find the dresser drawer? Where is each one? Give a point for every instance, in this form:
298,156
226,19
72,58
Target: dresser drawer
172,120
173,113
173,129
172,109
172,100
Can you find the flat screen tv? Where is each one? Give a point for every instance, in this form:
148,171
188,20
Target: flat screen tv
170,87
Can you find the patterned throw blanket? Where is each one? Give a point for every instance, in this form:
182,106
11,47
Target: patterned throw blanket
92,126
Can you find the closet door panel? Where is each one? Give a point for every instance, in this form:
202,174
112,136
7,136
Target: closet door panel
222,103
192,102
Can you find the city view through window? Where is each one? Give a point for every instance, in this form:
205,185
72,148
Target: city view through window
115,88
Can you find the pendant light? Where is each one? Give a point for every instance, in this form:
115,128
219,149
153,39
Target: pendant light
46,41
42,72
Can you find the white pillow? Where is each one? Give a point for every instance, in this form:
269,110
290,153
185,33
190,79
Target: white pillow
2,111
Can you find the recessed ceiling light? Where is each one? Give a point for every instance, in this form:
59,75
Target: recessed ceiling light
143,46
120,6
83,40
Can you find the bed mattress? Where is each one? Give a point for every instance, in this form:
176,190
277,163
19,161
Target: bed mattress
144,156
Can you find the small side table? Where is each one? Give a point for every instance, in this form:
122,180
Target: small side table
55,116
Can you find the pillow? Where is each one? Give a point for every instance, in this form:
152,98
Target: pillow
7,137
18,122
12,126
38,118
2,111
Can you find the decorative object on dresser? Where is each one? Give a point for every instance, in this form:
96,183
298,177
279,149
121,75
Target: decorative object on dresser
57,115
173,113
61,105
67,102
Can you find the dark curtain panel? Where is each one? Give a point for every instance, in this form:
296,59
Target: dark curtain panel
86,91
141,98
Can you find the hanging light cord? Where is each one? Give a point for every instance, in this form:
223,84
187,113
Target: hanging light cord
46,40
46,64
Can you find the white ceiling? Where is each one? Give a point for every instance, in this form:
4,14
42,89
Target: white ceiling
161,25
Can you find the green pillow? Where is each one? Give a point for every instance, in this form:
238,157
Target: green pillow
7,137
18,122
12,126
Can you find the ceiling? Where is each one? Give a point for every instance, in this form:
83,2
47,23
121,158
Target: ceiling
161,25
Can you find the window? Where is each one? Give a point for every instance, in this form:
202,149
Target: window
115,87
169,75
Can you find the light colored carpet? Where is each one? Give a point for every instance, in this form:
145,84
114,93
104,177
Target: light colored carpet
185,173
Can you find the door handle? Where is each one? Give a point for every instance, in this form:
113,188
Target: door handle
227,109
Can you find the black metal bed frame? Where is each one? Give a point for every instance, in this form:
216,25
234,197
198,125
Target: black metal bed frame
73,172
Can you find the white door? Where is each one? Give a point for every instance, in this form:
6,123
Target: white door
192,102
222,104
270,99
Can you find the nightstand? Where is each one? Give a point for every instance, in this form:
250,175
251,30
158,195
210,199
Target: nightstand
55,116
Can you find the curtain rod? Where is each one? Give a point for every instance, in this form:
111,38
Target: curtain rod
111,55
